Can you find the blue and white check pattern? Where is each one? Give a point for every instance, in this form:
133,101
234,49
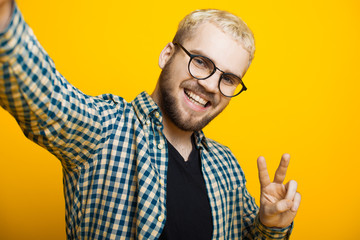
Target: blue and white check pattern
114,154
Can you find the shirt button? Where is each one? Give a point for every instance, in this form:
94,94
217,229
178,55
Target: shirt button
160,146
157,115
161,182
161,218
148,122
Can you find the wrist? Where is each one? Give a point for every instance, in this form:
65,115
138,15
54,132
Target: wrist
273,231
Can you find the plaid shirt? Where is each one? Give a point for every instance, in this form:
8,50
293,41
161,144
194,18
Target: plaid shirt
113,153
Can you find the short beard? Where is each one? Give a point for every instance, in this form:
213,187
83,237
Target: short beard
170,107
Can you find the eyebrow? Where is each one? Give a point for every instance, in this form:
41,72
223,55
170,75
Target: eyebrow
198,52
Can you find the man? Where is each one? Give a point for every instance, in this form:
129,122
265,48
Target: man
144,170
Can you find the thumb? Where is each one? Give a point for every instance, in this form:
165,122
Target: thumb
281,206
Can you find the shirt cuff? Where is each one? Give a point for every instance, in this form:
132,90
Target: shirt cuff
273,233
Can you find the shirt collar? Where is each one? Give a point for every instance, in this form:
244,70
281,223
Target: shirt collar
145,108
200,140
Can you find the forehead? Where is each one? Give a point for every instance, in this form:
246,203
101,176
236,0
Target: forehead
227,53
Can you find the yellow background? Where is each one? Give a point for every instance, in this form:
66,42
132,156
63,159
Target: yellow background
302,98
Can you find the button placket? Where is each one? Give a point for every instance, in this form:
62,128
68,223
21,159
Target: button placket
159,146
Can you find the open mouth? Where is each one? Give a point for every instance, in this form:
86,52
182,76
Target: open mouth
196,99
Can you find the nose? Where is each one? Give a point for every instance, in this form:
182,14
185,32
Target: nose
211,84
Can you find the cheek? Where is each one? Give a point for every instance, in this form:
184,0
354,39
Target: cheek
223,103
179,68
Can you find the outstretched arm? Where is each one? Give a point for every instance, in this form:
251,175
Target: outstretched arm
49,110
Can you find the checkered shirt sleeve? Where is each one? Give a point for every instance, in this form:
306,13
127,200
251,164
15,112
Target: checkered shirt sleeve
49,110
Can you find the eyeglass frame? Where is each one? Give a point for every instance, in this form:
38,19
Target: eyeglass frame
244,88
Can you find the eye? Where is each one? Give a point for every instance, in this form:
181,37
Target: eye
202,63
199,61
230,80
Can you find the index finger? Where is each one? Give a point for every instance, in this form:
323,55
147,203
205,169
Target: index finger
263,172
281,170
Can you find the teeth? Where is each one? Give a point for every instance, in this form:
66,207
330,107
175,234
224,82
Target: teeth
196,99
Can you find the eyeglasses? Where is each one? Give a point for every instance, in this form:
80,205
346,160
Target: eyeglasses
201,68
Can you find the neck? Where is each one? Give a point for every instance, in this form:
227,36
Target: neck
175,134
180,139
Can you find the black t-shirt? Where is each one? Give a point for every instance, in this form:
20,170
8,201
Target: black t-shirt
187,203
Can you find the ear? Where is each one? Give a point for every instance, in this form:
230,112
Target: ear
166,54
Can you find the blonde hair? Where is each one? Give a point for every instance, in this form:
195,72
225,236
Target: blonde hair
226,21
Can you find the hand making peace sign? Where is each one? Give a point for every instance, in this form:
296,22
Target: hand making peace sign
278,202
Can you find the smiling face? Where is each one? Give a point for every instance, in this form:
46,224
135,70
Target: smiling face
190,104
